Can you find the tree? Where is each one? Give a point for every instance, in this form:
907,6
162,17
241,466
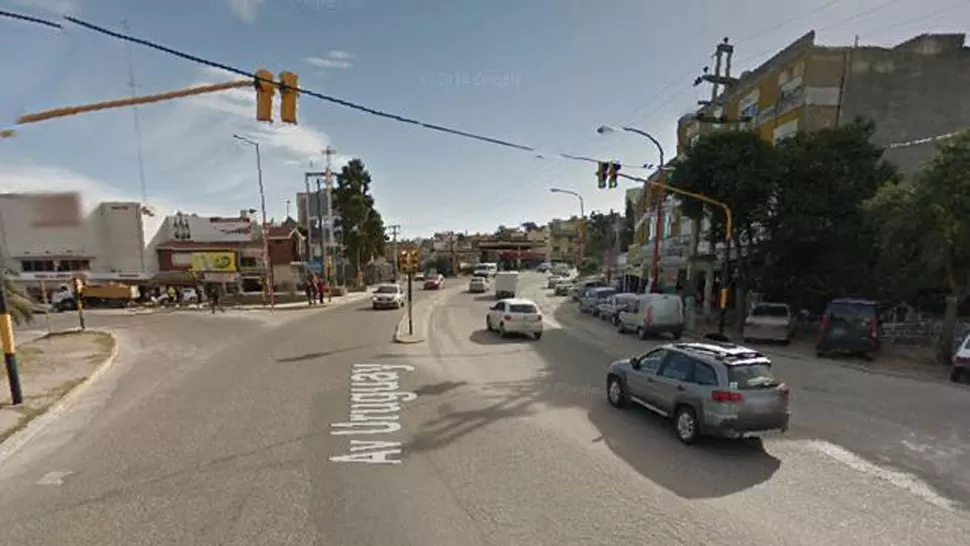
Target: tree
629,225
819,242
736,168
362,226
930,218
20,307
602,233
529,226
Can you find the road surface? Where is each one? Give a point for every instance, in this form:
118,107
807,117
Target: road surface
237,432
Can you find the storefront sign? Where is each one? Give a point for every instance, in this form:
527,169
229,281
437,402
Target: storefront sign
221,277
216,262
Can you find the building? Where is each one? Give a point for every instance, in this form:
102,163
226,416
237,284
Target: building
914,90
47,237
286,247
564,240
311,214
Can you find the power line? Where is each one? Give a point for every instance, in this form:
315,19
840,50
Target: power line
30,19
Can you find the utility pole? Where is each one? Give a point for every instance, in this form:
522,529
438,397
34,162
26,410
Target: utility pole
454,254
141,160
287,208
394,231
328,153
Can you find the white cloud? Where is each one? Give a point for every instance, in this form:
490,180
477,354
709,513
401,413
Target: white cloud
329,64
245,9
33,178
340,55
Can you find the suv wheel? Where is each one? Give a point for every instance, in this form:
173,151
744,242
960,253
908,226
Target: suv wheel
960,375
616,392
686,425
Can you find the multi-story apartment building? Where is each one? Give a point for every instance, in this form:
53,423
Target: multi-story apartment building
47,237
917,89
564,240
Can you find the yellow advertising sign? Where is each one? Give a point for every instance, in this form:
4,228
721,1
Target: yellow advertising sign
214,262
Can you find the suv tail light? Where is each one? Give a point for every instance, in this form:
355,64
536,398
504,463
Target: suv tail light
961,360
873,329
539,318
507,317
784,390
726,396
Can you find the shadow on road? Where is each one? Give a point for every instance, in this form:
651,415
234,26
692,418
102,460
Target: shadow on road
484,337
573,376
320,354
438,388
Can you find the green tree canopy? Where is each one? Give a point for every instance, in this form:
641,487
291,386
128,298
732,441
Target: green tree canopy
820,243
363,228
930,219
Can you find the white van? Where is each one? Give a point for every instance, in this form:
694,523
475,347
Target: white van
653,314
488,269
506,284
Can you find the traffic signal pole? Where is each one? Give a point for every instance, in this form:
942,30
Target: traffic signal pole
410,313
9,347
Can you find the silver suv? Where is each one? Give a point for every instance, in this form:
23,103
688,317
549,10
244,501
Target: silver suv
712,389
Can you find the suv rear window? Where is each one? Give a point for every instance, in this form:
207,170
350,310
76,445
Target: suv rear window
522,308
851,312
752,376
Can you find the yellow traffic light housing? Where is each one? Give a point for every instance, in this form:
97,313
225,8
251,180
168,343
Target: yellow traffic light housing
613,171
265,89
288,94
601,174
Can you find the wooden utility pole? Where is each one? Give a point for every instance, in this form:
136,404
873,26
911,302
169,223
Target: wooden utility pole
394,231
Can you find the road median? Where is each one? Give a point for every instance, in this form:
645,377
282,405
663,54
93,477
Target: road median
420,319
54,370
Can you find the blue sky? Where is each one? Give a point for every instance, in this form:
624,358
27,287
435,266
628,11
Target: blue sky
544,73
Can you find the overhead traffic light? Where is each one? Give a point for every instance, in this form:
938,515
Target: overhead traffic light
265,89
602,171
613,171
288,95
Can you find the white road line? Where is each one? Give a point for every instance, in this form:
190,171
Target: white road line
902,480
53,478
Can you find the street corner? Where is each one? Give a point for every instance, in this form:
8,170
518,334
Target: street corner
54,370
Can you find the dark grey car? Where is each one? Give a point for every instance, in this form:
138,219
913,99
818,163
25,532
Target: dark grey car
714,389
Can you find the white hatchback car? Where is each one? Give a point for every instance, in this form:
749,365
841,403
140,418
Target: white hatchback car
515,316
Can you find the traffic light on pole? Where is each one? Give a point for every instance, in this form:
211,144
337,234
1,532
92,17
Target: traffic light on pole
288,95
265,89
601,174
614,170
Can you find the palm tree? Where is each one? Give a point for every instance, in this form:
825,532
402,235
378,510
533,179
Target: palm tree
20,307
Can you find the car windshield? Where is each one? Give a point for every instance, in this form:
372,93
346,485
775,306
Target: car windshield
774,311
523,308
387,290
752,376
851,313
604,294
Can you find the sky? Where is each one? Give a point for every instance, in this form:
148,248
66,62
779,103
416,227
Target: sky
543,73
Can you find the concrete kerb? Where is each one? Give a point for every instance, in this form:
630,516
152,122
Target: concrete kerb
20,438
421,317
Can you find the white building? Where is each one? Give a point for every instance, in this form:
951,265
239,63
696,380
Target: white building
48,237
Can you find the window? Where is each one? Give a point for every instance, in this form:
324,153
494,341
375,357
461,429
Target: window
678,367
387,290
704,375
752,376
50,266
249,263
651,361
500,306
523,308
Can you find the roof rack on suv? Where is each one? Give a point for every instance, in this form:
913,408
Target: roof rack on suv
721,351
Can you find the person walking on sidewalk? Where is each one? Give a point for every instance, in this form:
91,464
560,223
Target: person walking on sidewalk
214,299
321,289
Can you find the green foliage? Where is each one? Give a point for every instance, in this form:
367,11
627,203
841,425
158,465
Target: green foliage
363,228
20,307
602,233
820,242
588,267
629,223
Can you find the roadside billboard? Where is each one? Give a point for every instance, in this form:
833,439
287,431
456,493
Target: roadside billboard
184,227
214,262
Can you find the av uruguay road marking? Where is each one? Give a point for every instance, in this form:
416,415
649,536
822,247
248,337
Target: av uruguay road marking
375,402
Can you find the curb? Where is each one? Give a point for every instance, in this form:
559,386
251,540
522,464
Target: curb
19,439
401,337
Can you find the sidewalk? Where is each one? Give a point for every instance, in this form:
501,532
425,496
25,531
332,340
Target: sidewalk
50,368
347,298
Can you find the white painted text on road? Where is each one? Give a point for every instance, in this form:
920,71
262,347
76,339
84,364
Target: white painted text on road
375,404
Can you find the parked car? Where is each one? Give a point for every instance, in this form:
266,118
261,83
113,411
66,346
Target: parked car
849,326
553,281
961,363
478,284
434,282
419,277
707,389
770,322
651,314
563,288
610,309
593,297
580,286
388,296
515,316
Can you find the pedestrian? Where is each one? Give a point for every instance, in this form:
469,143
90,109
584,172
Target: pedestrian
308,287
321,289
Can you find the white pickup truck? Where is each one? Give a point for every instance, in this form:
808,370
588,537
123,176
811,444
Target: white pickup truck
506,284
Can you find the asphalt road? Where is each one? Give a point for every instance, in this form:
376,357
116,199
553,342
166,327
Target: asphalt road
235,430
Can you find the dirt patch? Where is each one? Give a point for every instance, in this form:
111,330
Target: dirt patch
49,368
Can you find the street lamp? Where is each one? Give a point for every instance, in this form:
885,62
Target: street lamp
262,203
655,267
582,222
